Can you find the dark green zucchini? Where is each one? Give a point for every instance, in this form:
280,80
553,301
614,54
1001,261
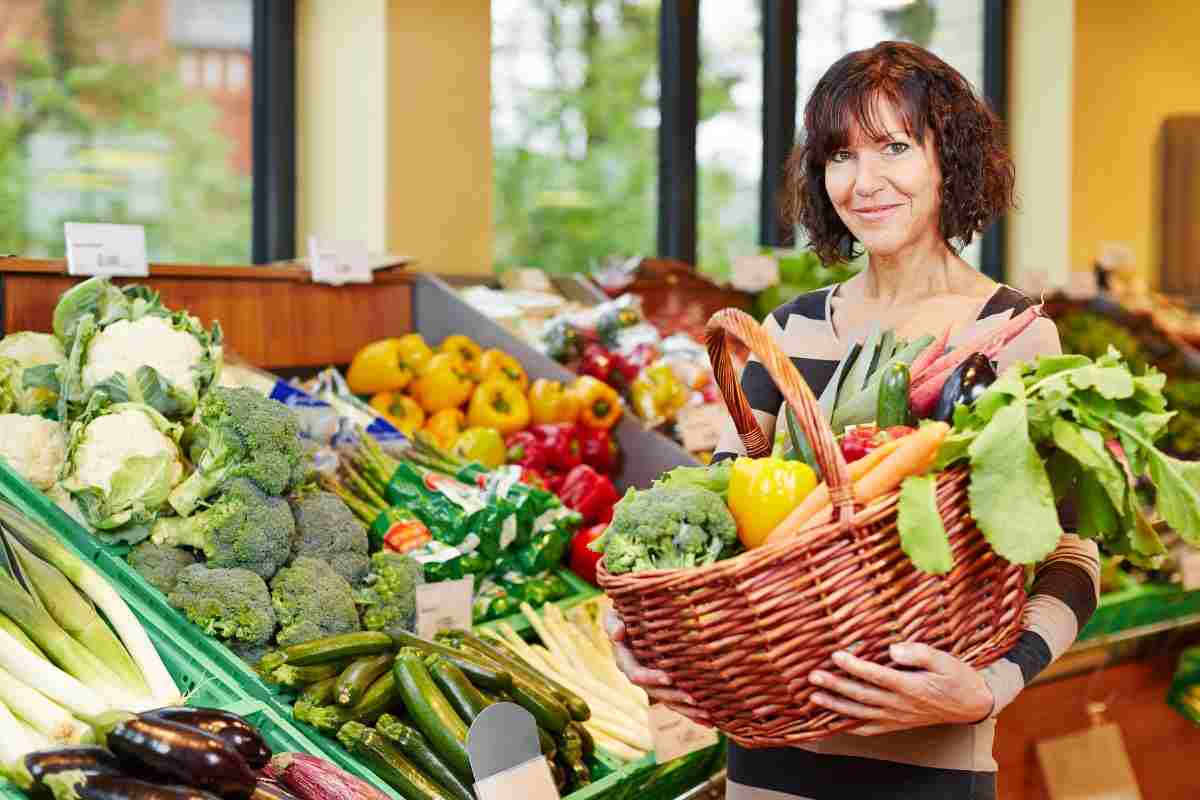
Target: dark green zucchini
319,693
482,672
432,712
335,648
389,764
468,701
416,747
354,681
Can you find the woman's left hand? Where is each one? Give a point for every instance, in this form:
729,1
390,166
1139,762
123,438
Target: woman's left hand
940,689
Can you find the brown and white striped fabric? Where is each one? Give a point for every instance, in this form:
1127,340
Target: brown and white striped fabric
944,761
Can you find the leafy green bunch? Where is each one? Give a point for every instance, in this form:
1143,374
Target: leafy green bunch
1061,428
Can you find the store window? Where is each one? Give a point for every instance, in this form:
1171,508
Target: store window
729,132
122,117
574,131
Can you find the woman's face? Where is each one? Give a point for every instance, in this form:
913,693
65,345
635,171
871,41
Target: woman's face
886,191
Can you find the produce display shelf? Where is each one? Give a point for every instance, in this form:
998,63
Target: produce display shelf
582,591
1140,607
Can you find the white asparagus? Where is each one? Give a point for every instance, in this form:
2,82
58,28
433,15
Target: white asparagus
602,667
567,644
591,629
614,747
547,636
51,681
640,741
593,687
40,713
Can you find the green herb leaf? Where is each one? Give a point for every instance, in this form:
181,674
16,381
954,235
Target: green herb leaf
1097,516
1113,383
922,534
1087,447
1178,483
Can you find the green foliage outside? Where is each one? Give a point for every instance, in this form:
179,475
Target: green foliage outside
131,127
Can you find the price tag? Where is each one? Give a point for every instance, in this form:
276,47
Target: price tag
338,262
444,606
104,249
675,735
1189,569
754,273
529,781
700,426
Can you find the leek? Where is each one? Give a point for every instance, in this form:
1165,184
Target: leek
78,618
14,630
43,715
51,681
15,739
137,643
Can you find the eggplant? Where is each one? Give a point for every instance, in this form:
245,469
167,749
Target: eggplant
966,383
188,755
43,763
104,786
229,728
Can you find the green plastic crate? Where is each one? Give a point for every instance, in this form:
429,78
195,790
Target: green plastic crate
1137,606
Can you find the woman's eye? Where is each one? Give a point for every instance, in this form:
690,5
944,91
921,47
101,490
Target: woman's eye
895,148
840,156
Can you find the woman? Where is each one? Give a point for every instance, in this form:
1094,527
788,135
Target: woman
902,159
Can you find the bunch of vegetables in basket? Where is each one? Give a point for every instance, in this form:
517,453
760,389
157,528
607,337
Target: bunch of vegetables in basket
404,704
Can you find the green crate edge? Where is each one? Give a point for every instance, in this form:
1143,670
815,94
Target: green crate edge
1144,604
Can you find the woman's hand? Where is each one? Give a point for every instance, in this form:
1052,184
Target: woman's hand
941,689
656,682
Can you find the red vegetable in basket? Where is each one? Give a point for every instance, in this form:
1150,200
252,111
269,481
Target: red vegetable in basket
862,439
590,493
527,450
563,449
312,778
583,559
599,450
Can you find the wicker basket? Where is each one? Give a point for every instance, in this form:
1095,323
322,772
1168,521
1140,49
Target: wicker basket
741,636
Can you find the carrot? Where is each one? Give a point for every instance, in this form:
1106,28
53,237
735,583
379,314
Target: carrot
929,355
818,498
885,469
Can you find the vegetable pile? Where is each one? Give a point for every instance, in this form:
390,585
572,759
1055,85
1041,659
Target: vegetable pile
403,704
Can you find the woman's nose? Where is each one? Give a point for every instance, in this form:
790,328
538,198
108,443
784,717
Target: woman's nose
868,178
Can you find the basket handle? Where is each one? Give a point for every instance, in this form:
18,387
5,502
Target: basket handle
733,322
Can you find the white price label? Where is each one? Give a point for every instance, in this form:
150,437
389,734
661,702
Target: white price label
700,426
338,262
444,606
754,273
104,249
675,735
529,781
1189,570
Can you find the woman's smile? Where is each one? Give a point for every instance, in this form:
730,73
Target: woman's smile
878,212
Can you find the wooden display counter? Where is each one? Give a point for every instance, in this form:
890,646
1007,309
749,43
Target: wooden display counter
273,316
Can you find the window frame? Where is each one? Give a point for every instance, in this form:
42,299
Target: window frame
273,131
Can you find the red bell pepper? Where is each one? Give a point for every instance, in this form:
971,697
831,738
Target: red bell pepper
564,451
527,450
590,493
555,481
583,559
609,367
599,450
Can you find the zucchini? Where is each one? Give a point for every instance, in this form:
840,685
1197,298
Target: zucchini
892,405
468,701
545,708
319,693
509,660
382,696
570,756
358,677
295,677
482,672
389,764
416,747
432,712
589,744
337,648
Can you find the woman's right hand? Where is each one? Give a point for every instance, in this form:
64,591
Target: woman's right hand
656,682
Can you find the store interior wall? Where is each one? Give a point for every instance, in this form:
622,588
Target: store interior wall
1135,65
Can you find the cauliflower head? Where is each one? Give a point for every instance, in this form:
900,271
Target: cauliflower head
122,461
34,446
33,360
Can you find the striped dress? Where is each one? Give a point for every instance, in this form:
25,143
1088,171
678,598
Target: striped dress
946,762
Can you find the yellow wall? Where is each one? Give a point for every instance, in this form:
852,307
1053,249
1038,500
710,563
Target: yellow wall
1135,64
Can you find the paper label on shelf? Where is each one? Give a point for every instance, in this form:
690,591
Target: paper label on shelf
675,735
754,273
1189,569
1090,763
444,606
104,249
700,426
337,262
529,781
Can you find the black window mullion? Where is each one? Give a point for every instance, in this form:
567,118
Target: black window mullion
995,90
274,130
679,67
780,32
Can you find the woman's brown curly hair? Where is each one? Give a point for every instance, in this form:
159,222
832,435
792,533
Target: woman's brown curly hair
930,96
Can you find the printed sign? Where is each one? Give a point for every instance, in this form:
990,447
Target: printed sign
675,735
444,606
104,249
338,262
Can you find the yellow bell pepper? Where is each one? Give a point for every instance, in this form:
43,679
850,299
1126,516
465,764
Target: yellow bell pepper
463,346
446,426
763,491
388,364
400,410
599,403
499,404
551,402
481,445
498,364
658,394
445,383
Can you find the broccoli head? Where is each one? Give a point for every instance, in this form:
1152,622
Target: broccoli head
159,564
244,528
667,527
312,601
327,529
231,604
240,434
390,600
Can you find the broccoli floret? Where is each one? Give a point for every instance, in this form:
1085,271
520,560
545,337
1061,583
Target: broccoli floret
231,604
241,434
312,601
160,565
667,527
244,528
327,529
390,599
